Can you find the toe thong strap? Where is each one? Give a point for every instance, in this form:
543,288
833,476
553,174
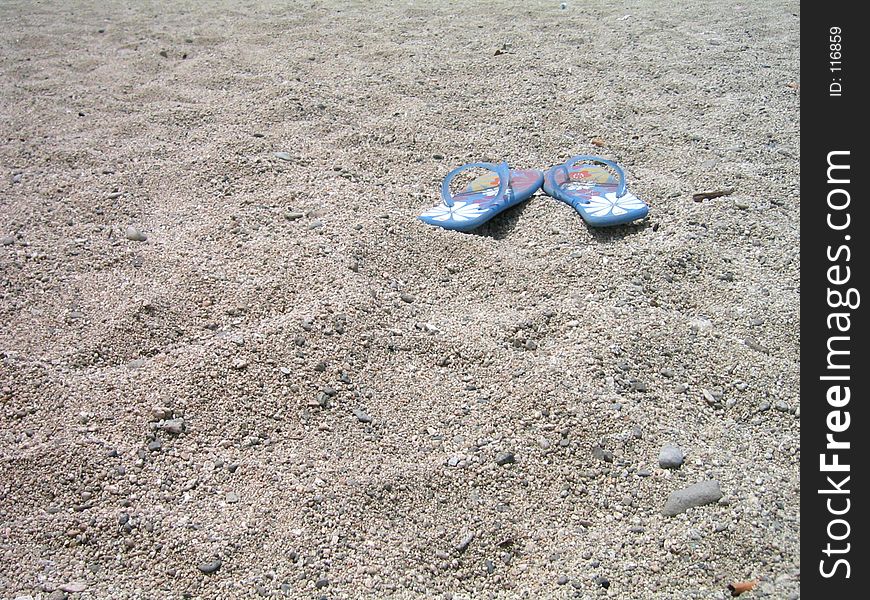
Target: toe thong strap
502,170
620,190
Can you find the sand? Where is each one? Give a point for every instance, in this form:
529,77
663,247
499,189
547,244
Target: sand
312,405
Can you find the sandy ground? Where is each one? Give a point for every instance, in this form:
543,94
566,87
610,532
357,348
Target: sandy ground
314,406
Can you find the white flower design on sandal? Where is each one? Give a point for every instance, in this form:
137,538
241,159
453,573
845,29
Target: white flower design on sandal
460,211
600,207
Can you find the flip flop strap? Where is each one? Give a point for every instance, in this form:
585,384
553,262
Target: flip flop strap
620,190
503,171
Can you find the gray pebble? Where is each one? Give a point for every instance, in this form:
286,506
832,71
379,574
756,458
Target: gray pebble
232,498
292,215
505,458
210,567
133,234
283,155
699,494
562,580
173,426
7,240
155,445
57,595
464,542
406,297
362,416
670,457
322,583
602,454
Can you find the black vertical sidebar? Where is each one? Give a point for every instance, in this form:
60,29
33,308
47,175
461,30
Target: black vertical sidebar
834,422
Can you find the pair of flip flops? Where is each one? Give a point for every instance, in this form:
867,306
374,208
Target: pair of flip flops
594,186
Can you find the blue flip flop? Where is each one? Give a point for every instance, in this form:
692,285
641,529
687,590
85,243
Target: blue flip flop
483,198
597,193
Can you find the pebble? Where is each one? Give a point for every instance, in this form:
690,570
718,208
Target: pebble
74,587
699,494
292,216
464,542
322,583
159,413
155,445
173,426
7,240
602,454
406,297
133,234
210,567
505,458
57,595
362,416
562,580
283,155
670,457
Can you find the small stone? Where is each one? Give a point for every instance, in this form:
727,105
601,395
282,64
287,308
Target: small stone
710,398
644,473
57,595
322,583
74,587
136,363
362,416
670,457
293,215
505,458
159,413
699,494
7,240
283,155
741,203
155,445
406,297
135,235
173,426
602,454
562,580
490,566
464,542
210,567
602,581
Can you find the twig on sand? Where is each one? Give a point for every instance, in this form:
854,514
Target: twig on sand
710,194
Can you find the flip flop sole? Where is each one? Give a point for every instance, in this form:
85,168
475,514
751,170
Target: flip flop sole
592,189
478,202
